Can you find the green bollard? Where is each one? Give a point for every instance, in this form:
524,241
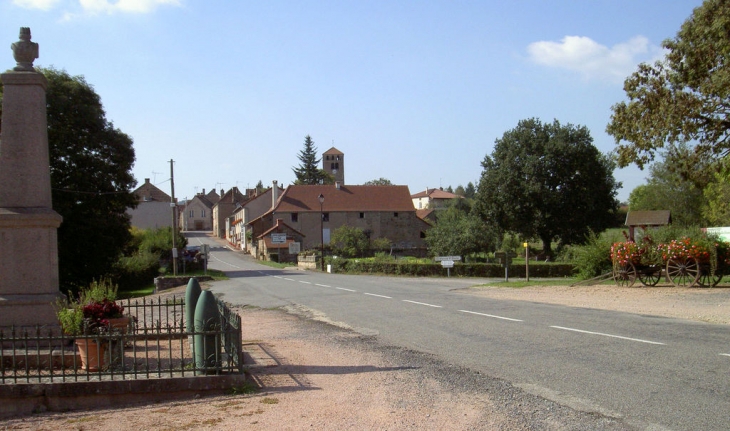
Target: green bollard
207,347
192,293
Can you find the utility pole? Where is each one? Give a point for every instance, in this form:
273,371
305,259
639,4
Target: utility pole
173,205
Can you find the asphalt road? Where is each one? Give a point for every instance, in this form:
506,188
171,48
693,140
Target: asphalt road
652,372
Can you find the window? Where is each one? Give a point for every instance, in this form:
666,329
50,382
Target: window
362,215
332,165
192,213
202,213
395,214
294,217
325,216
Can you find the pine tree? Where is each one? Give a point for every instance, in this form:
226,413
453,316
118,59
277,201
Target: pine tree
308,172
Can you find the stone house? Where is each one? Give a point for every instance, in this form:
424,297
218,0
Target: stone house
433,199
256,206
229,202
281,243
380,211
153,208
197,213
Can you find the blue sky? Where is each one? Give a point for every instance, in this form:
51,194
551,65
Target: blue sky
412,91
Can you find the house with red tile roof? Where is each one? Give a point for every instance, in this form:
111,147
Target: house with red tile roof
255,207
380,211
433,199
229,202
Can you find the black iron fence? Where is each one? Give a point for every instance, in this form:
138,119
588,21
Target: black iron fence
151,342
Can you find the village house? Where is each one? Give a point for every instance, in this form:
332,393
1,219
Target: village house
433,199
380,211
153,208
254,207
197,213
229,202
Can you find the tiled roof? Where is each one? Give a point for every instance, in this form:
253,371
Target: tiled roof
150,192
435,194
648,218
299,198
333,150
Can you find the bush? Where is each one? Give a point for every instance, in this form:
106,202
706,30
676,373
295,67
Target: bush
140,269
594,257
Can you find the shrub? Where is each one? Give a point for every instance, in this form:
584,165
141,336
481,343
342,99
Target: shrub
594,257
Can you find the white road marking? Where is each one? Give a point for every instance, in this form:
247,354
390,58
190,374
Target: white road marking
288,279
379,296
423,303
305,282
607,335
724,354
491,315
342,288
322,285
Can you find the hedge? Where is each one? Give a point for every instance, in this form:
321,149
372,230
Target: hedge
459,270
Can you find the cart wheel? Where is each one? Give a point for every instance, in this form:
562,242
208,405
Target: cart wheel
650,278
624,274
683,272
707,279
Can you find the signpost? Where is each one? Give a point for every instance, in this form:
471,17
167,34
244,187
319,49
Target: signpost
447,262
278,238
506,258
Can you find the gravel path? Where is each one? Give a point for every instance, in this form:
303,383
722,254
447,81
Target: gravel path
316,376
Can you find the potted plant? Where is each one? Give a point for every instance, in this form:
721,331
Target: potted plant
74,323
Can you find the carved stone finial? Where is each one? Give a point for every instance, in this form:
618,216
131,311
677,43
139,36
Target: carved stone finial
24,51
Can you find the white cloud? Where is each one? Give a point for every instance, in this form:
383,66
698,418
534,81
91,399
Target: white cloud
36,4
593,60
132,6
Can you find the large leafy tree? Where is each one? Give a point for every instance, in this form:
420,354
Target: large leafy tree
667,189
684,98
308,171
547,181
379,182
91,180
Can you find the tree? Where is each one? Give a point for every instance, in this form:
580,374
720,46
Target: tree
470,191
717,201
379,182
308,172
547,181
91,180
683,98
460,190
667,189
350,241
458,233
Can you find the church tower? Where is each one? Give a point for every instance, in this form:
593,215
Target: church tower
333,162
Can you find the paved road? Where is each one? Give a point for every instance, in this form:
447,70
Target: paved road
655,373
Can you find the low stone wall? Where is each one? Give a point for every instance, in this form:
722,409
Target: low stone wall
28,398
164,283
308,262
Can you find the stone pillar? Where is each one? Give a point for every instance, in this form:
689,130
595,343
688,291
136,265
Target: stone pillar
28,224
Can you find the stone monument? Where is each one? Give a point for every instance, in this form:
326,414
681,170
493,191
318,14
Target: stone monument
28,239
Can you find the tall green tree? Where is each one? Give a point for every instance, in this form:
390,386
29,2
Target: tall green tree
668,189
547,181
91,180
470,191
683,98
308,172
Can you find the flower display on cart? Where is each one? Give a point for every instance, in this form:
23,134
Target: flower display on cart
624,252
685,248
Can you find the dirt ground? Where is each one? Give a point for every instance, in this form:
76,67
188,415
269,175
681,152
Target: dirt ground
318,377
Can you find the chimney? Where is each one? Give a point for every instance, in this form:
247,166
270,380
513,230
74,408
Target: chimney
203,192
338,185
274,193
146,180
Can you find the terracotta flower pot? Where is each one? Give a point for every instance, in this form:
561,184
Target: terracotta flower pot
93,354
120,323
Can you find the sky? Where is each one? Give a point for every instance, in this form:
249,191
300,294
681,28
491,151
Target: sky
416,92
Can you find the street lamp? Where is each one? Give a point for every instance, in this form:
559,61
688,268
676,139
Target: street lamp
321,228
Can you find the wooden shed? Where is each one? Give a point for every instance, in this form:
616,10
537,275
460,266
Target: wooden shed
645,219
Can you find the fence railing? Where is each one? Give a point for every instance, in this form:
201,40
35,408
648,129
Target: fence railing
154,343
